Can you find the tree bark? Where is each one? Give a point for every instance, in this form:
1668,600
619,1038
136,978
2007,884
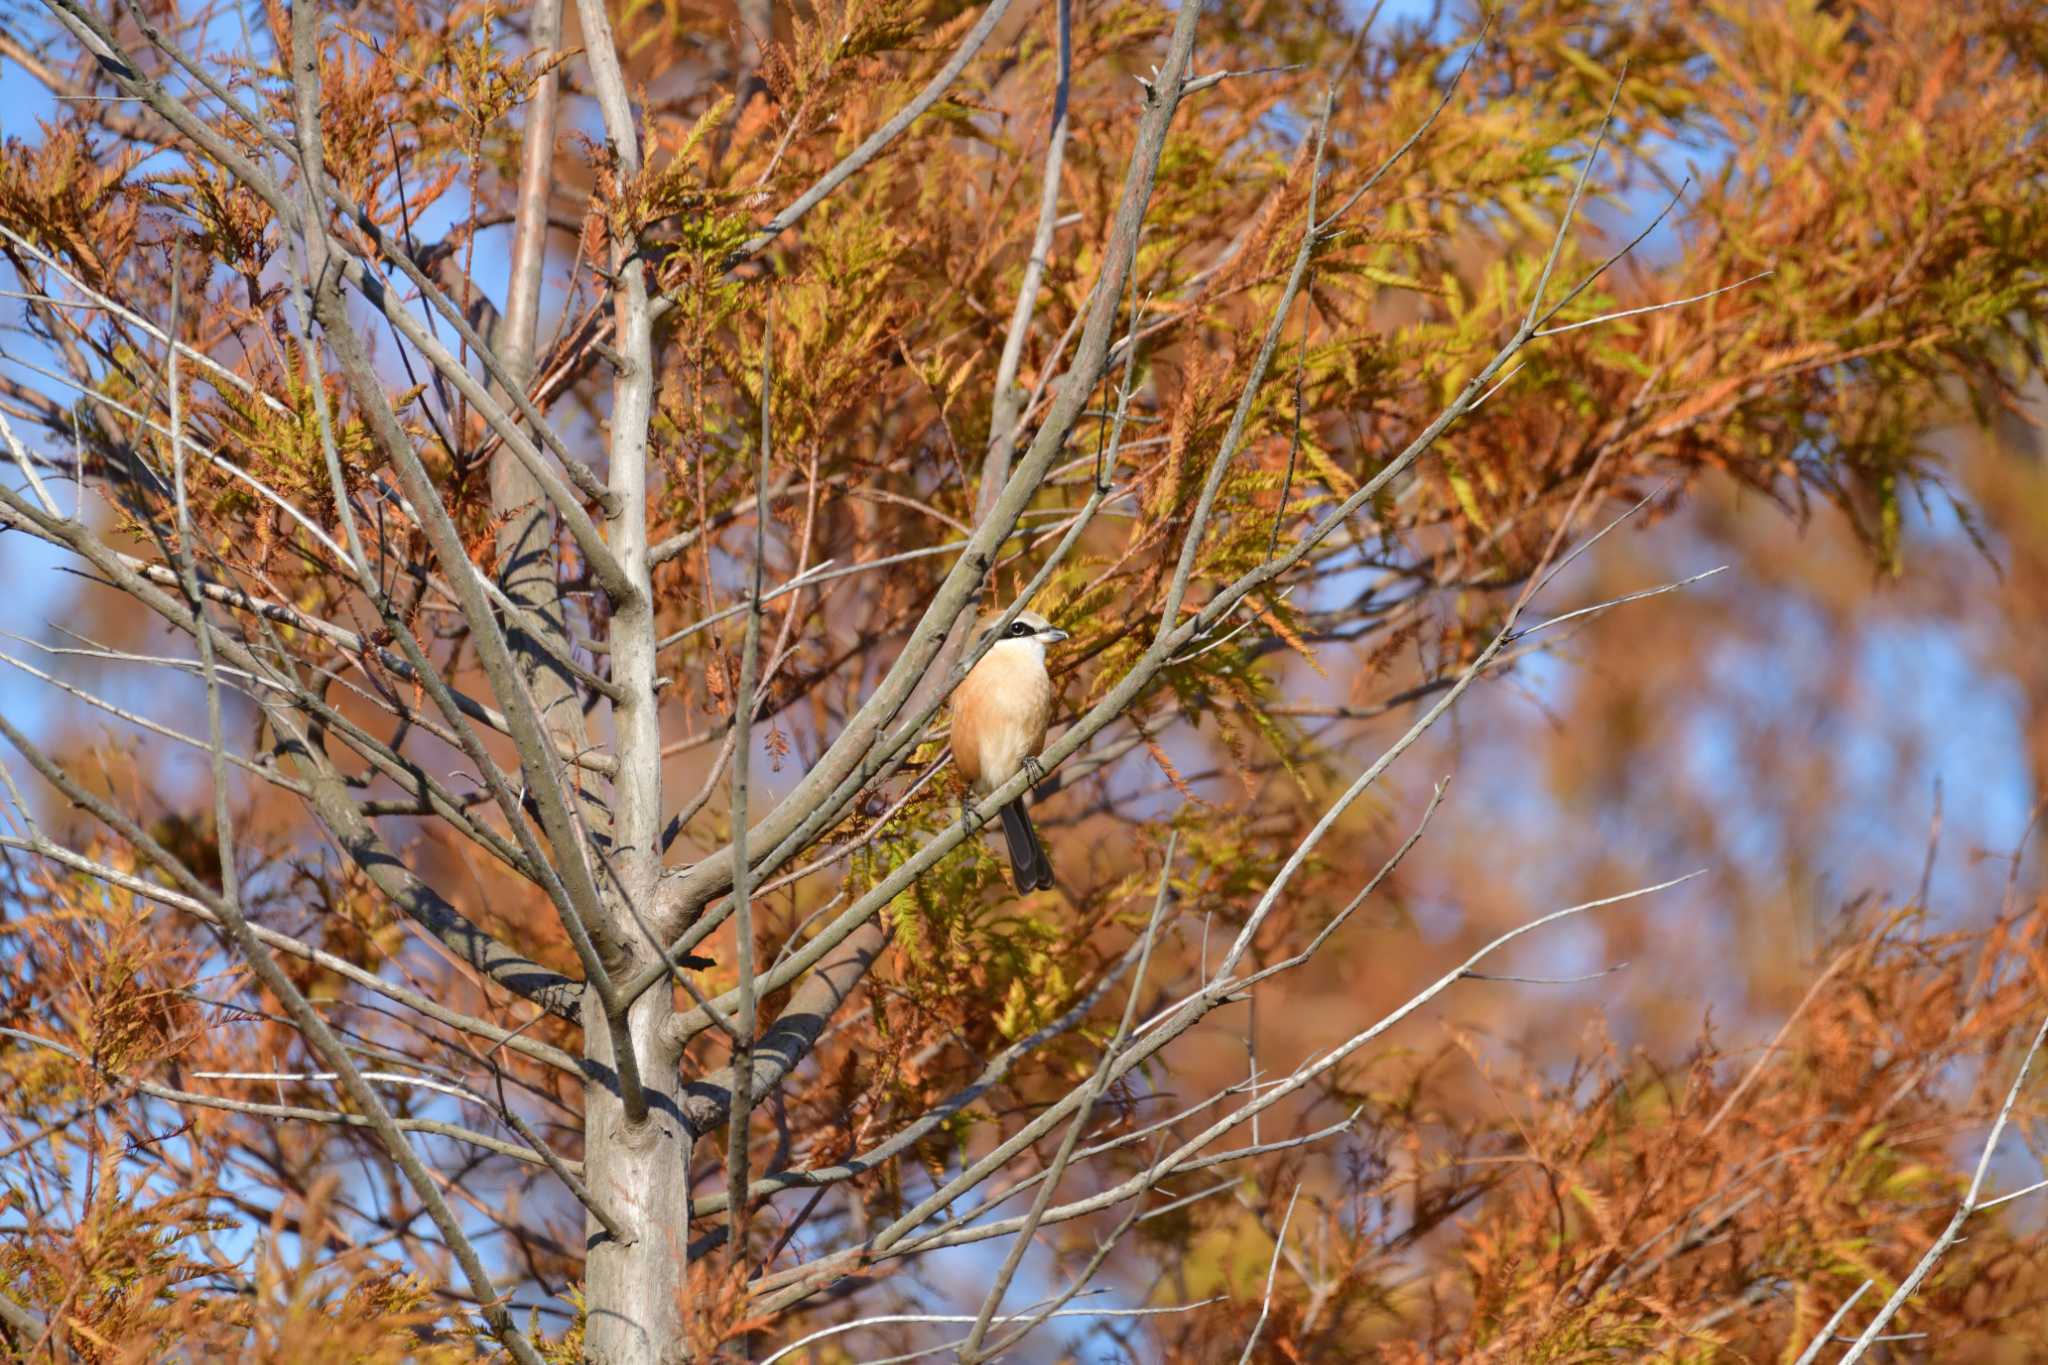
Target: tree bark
641,1172
637,1292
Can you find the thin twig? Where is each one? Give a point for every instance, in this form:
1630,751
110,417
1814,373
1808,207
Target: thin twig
876,141
1272,1273
1096,1083
1951,1234
738,1130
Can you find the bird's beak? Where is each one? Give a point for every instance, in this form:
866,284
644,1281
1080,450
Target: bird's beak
1052,635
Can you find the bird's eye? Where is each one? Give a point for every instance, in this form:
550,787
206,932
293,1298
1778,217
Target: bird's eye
1019,628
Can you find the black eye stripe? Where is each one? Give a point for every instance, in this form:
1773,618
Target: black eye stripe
1019,628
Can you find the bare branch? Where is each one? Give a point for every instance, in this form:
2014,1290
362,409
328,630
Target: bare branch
1811,1355
271,938
1094,1087
887,1319
1272,1272
739,1132
227,905
294,1112
1394,158
818,1004
470,944
876,141
1571,209
1652,307
789,1287
995,470
1233,437
1951,1234
849,762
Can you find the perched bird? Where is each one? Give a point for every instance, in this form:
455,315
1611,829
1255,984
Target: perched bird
1000,712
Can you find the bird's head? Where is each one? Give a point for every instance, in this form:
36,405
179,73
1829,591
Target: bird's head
1029,631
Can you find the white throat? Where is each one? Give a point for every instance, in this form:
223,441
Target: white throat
1020,651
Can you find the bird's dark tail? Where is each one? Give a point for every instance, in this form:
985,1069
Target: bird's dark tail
1028,863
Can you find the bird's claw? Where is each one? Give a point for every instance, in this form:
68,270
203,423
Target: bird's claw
1034,771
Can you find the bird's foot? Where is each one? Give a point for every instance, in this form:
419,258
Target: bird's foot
1034,770
969,820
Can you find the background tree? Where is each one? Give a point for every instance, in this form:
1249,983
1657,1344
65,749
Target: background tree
500,499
